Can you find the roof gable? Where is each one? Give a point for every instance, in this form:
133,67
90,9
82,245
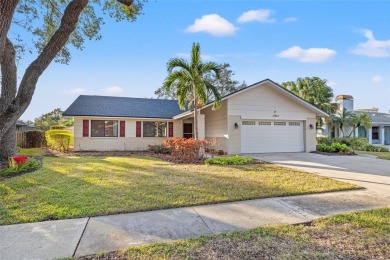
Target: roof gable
276,87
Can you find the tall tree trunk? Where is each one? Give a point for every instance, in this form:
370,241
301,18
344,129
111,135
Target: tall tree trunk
8,143
12,110
8,93
195,116
7,10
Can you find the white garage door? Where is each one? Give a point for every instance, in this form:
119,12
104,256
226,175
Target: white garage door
259,136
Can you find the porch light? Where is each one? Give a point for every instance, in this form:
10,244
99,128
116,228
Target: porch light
311,126
235,125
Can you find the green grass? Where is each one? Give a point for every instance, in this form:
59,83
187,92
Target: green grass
380,155
70,187
31,151
363,235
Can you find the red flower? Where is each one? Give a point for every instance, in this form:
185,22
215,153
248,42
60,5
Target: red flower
19,159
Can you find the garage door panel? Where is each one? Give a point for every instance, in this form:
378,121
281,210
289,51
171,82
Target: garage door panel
259,136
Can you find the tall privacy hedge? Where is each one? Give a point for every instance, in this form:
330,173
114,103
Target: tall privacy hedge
35,139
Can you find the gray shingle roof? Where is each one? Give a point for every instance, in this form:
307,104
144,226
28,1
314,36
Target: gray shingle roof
377,117
106,106
20,123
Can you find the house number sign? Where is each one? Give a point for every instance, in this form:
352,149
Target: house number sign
275,115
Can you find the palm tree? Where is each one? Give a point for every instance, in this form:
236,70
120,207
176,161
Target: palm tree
361,120
343,118
314,90
191,82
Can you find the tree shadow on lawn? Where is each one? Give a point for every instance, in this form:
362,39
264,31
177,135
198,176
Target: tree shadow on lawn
74,190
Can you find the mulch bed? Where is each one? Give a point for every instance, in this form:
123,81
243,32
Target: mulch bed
334,154
3,163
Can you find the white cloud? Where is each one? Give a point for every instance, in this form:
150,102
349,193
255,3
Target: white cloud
74,91
113,90
312,55
290,19
260,15
212,24
372,47
377,79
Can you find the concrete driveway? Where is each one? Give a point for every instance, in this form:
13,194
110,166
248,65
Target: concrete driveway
364,170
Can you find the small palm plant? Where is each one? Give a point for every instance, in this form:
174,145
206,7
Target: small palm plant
361,120
343,118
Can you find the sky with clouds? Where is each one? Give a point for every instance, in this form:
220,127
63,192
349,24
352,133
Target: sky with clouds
345,42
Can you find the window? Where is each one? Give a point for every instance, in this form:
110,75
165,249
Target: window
155,129
248,123
264,123
375,132
104,128
280,123
294,124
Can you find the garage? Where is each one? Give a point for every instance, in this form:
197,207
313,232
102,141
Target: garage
263,136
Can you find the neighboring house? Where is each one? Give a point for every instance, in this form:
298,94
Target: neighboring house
260,118
21,126
379,133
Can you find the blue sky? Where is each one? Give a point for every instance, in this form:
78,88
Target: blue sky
345,42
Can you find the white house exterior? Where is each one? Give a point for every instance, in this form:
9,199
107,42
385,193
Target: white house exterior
379,133
261,118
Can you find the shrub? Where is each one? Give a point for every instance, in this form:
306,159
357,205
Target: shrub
13,168
35,139
159,148
333,148
230,160
358,143
373,148
186,150
57,127
324,140
59,139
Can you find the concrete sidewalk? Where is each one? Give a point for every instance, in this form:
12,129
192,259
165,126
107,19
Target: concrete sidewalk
78,237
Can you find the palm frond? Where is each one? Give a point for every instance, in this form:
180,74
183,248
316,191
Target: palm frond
177,63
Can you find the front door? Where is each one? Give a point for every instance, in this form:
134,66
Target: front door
187,130
387,134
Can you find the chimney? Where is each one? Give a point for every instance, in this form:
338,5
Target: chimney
345,101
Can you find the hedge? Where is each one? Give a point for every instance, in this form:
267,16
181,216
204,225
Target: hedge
35,139
59,139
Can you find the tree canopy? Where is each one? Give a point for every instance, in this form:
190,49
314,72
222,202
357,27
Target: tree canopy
225,83
55,117
55,27
314,90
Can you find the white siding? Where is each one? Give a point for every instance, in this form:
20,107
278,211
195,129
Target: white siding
216,121
129,142
263,102
216,125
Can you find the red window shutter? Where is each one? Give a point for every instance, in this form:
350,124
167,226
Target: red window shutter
138,129
170,129
122,129
85,128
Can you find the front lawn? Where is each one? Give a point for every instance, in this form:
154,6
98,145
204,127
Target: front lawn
70,187
380,155
363,235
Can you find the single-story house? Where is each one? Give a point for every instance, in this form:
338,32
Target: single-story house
21,126
260,118
378,133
